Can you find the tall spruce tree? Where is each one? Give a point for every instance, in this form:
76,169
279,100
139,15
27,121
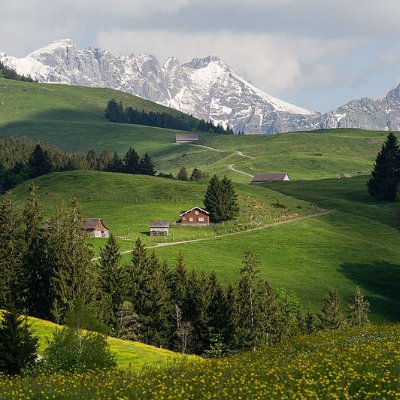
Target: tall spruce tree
36,269
11,251
359,309
18,346
182,174
70,259
146,166
131,162
40,162
246,306
386,173
221,200
112,278
332,315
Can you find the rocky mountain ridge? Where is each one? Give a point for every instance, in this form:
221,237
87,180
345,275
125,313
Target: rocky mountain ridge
204,87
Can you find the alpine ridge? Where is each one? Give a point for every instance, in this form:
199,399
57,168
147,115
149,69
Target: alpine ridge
206,87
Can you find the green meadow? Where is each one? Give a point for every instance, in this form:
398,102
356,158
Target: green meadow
128,354
356,244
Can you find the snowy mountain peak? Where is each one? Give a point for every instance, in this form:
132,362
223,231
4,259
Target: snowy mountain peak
205,87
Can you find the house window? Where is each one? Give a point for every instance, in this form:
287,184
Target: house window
190,219
201,219
196,212
184,219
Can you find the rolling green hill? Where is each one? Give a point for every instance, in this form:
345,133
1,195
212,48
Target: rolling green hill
351,364
129,354
355,244
72,118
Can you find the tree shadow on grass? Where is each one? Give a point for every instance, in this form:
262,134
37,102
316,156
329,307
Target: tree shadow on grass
382,280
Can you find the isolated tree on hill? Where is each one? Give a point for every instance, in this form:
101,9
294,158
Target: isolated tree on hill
332,316
221,200
386,173
182,174
359,309
197,174
18,346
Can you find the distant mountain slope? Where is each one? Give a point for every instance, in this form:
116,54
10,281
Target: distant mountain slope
206,88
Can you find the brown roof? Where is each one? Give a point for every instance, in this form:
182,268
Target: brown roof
186,137
159,224
90,223
194,208
278,176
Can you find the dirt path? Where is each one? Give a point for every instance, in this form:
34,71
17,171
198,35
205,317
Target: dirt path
239,153
258,228
232,168
207,147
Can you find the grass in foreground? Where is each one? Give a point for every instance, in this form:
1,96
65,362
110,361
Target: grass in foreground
353,364
129,354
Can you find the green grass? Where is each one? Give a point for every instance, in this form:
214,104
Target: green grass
349,364
129,354
72,118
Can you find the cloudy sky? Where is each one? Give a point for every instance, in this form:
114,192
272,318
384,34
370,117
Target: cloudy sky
314,53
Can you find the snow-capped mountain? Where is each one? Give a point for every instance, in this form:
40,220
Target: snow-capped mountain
365,113
206,88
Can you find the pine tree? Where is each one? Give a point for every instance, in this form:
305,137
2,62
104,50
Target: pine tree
359,309
36,269
40,162
128,325
229,200
197,174
182,174
111,112
221,200
70,259
18,346
213,199
146,166
11,251
112,277
332,316
116,164
246,306
386,173
131,162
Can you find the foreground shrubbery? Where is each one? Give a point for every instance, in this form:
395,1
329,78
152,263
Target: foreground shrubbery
359,363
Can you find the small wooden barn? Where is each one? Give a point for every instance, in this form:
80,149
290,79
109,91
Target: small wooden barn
186,137
275,176
94,227
195,216
159,228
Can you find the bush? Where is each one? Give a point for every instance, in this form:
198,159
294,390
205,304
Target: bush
74,350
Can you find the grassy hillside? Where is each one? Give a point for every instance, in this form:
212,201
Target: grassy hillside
73,118
129,354
356,364
354,245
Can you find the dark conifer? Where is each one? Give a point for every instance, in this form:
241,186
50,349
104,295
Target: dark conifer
131,162
386,173
213,199
146,166
182,174
332,316
18,346
40,162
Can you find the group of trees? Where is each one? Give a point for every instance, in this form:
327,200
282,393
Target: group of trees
385,178
115,112
9,73
221,200
22,159
48,271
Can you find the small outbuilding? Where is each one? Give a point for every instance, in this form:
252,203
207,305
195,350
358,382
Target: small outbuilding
159,228
186,137
275,176
94,227
344,175
195,216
